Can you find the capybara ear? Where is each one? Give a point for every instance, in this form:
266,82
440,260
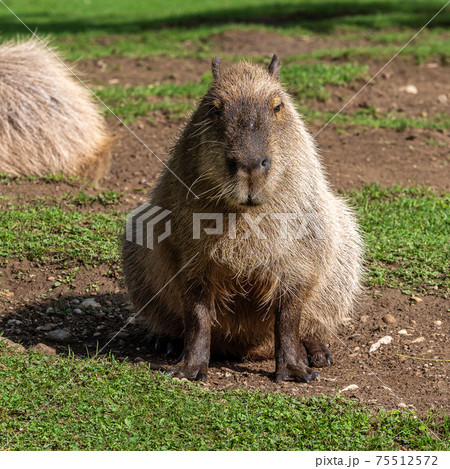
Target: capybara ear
274,67
215,66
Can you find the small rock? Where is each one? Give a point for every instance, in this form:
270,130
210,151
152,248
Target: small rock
402,404
138,359
11,344
416,299
118,335
364,318
14,322
108,303
90,303
410,89
389,319
403,332
438,323
129,308
50,310
442,98
113,81
77,311
45,327
351,387
418,340
42,348
96,334
75,301
383,341
58,335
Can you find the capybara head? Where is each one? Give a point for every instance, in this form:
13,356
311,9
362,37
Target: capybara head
244,125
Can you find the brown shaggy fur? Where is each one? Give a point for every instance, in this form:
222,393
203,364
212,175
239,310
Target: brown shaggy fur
49,122
246,118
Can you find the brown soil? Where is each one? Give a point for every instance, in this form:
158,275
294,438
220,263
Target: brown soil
352,158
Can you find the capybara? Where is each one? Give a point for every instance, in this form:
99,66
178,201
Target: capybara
262,258
49,122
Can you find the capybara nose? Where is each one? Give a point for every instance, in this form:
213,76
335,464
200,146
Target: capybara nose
265,164
257,164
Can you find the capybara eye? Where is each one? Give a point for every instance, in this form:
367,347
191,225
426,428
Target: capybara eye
277,109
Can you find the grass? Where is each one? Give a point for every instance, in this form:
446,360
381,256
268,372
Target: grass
406,233
56,403
49,234
141,28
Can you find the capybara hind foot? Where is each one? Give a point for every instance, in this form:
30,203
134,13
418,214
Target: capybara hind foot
299,373
318,353
193,372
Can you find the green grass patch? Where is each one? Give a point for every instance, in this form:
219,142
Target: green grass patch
182,28
371,117
55,403
407,234
48,234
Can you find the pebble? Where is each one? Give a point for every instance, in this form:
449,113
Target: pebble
129,308
58,335
418,340
96,334
364,318
442,98
383,341
45,327
389,319
10,343
438,323
90,303
42,348
351,387
77,311
14,322
50,310
416,299
410,89
75,301
118,335
403,332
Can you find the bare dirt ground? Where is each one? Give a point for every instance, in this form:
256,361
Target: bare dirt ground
388,377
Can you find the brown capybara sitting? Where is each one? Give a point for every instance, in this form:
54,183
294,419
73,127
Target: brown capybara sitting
262,257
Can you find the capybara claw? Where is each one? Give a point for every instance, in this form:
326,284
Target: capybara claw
296,373
190,372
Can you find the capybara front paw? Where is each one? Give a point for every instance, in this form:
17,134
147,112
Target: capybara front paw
299,374
192,372
318,354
